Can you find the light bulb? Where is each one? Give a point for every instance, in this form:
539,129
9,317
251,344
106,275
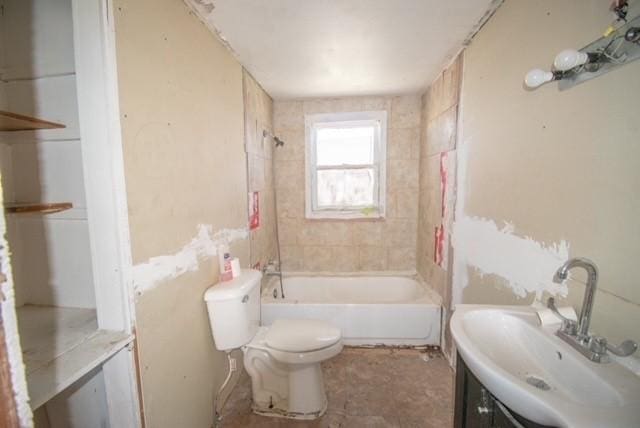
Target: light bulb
569,58
537,77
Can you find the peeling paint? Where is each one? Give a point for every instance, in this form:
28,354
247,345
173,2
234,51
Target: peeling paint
156,270
11,335
528,266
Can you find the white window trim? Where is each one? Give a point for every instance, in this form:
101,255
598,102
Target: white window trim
314,121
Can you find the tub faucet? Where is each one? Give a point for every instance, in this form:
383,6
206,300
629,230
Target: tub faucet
593,347
271,269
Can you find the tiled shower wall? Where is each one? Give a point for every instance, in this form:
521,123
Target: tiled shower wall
258,117
437,181
349,245
437,174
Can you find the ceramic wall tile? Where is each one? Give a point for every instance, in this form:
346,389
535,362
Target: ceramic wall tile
372,258
405,111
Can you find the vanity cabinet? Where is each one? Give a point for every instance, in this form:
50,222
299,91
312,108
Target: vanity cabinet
476,407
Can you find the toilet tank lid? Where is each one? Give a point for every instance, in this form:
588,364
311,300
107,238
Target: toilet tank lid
234,289
301,335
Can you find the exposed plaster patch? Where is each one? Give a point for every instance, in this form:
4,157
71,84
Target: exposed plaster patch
528,266
156,270
12,338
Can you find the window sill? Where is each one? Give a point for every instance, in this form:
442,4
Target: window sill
344,215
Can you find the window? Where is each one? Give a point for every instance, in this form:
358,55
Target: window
345,164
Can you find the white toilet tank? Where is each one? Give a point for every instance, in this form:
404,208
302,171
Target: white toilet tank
234,310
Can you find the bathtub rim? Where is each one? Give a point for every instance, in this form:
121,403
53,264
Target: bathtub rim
430,296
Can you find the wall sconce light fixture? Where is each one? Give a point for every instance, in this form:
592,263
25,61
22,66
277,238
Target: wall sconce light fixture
571,66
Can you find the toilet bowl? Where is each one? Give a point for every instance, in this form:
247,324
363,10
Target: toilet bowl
283,359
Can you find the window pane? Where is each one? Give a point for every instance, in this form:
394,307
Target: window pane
345,146
345,187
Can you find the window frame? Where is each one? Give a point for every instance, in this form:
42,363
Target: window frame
313,122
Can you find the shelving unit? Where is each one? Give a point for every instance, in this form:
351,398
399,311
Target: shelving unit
18,122
75,319
38,208
60,345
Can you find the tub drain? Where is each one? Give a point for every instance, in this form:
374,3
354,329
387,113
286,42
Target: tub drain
538,383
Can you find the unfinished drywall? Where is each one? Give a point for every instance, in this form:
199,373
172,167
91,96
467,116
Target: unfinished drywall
182,126
560,168
349,245
258,119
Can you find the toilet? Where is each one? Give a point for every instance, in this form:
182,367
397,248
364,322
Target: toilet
283,359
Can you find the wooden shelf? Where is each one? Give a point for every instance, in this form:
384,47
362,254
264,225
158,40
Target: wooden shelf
37,208
18,122
60,345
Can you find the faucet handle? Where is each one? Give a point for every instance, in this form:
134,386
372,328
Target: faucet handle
569,326
271,265
598,344
625,349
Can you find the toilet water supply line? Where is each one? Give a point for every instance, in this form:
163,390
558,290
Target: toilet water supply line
219,404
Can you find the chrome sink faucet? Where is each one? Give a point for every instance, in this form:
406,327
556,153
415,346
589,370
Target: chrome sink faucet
577,334
592,282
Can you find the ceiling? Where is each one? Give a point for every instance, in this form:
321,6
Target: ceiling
324,48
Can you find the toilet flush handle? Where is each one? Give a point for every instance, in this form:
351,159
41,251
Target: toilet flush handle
245,299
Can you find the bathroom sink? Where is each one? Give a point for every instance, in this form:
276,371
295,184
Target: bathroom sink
537,375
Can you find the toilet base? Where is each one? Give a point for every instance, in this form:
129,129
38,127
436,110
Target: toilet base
279,413
293,391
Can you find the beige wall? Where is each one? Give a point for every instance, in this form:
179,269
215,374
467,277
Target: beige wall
258,117
557,165
354,245
182,124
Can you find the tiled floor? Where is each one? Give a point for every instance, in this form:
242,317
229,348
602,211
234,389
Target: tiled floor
368,388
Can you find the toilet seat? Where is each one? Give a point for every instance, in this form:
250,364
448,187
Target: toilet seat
301,335
322,340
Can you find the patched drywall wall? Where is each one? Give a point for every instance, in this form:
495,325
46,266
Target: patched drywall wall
200,249
559,167
258,118
349,245
182,124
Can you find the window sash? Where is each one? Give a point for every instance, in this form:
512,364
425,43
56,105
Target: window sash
349,208
375,165
313,122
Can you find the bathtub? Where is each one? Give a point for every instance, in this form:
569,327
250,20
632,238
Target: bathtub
370,310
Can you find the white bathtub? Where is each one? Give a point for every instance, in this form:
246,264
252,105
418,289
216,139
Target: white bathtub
370,310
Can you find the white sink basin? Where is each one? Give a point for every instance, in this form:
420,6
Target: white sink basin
539,376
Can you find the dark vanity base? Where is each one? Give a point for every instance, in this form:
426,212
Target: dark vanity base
476,407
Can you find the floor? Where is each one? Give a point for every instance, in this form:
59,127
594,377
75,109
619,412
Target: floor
368,388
